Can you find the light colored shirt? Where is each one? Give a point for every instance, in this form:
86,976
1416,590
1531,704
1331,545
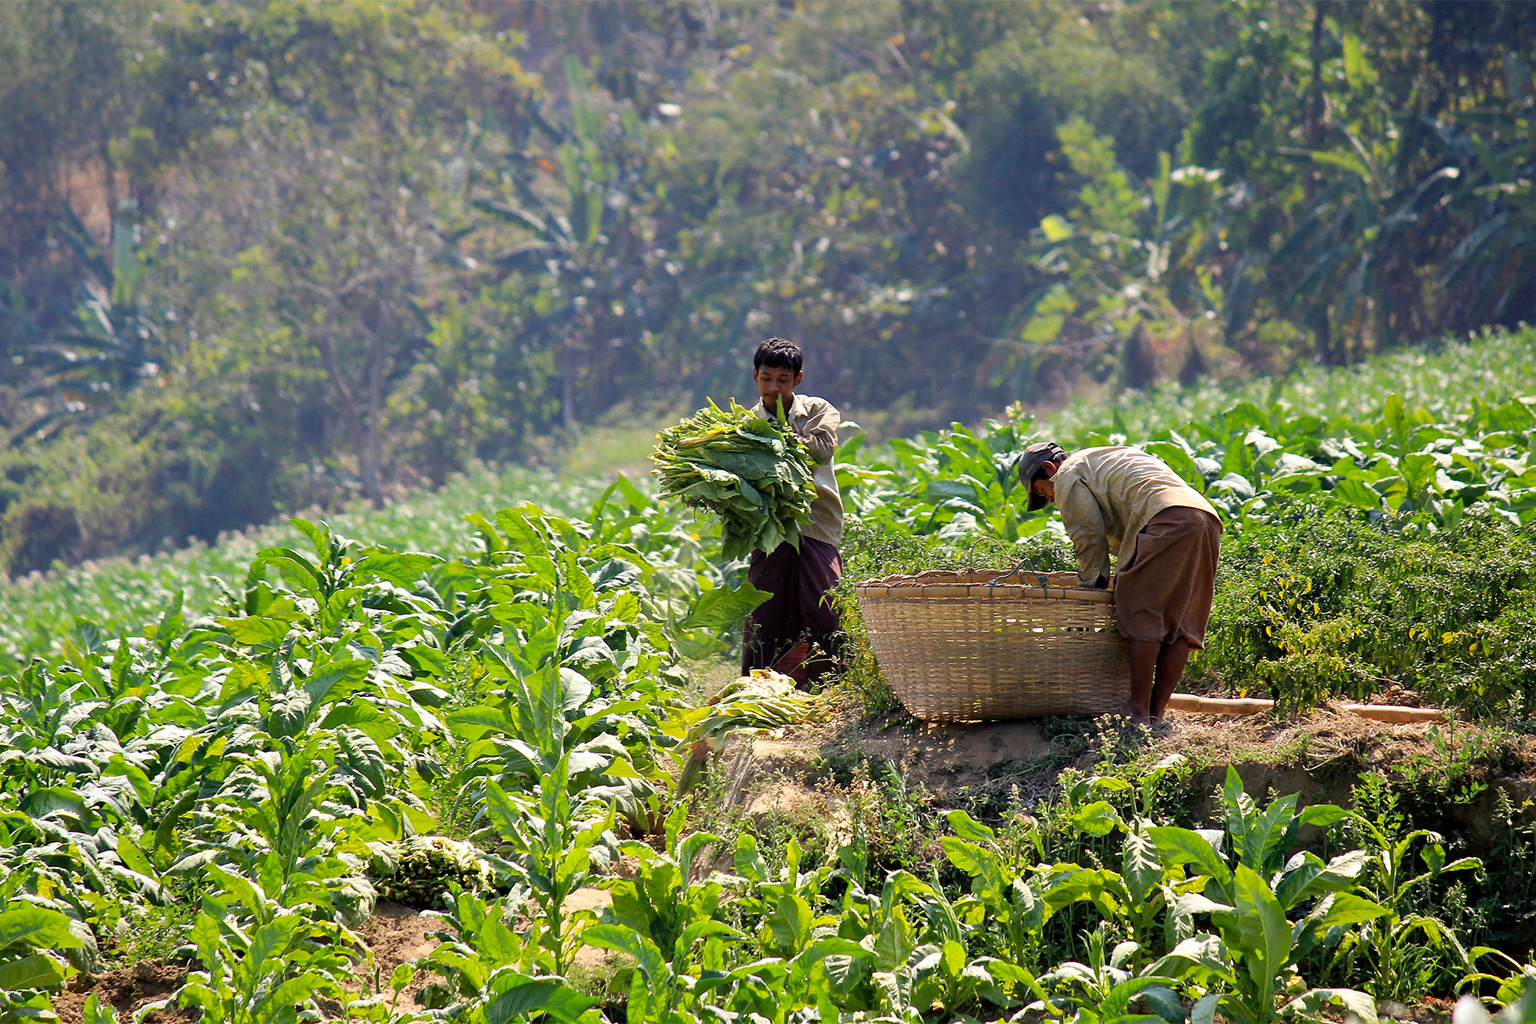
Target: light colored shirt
1108,495
816,421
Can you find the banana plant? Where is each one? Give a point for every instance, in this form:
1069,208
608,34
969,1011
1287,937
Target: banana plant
113,344
1343,255
1496,205
581,243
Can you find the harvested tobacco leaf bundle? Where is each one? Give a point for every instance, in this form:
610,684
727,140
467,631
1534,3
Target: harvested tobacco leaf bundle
755,474
416,870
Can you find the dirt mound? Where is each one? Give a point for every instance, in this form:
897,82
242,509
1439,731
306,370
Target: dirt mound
126,989
965,765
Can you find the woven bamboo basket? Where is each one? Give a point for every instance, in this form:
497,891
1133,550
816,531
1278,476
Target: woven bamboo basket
985,644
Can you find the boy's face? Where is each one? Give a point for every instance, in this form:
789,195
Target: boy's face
776,384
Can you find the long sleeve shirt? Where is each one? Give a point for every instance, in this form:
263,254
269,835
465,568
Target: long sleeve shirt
816,421
1108,495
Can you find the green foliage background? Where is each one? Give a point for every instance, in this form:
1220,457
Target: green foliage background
260,257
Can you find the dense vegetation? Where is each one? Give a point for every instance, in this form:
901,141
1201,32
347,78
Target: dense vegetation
258,257
244,778
261,257
1371,544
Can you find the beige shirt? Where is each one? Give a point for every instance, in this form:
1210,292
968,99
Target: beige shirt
816,421
1108,495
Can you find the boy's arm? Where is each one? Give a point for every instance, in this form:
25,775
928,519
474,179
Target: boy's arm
819,431
1084,522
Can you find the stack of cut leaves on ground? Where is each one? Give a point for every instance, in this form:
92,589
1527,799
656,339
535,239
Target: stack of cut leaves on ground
754,473
416,871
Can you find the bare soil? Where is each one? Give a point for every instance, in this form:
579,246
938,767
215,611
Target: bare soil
126,989
396,934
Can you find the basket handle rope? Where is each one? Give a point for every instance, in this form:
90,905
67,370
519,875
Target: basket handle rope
1045,584
970,556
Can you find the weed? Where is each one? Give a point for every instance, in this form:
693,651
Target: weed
151,932
1511,858
1459,765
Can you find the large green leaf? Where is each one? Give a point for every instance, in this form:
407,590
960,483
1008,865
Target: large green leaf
35,970
405,569
625,940
25,924
791,923
252,630
1183,846
967,827
723,606
1141,865
1256,927
550,996
337,680
1095,819
1360,1004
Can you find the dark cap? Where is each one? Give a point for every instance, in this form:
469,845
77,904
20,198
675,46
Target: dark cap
1033,461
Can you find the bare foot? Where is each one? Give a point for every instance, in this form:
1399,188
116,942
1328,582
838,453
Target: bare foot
1138,716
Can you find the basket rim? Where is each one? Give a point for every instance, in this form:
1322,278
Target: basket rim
1056,586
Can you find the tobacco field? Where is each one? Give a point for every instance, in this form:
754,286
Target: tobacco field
480,701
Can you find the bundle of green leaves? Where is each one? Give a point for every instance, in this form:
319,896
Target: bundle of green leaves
754,473
416,870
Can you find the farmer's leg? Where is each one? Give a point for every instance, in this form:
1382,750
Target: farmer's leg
774,625
1171,659
1144,658
821,568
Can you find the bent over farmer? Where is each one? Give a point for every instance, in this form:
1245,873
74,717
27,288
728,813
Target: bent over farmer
796,631
1121,500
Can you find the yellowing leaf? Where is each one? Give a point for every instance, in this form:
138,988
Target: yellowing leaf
1056,228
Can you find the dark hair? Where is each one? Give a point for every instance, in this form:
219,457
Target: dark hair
780,354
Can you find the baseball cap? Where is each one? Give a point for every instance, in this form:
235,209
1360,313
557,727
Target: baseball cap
1032,461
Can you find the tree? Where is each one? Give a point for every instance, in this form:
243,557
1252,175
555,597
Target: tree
1372,141
335,197
349,262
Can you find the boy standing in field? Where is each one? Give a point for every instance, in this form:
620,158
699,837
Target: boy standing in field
796,630
1167,536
